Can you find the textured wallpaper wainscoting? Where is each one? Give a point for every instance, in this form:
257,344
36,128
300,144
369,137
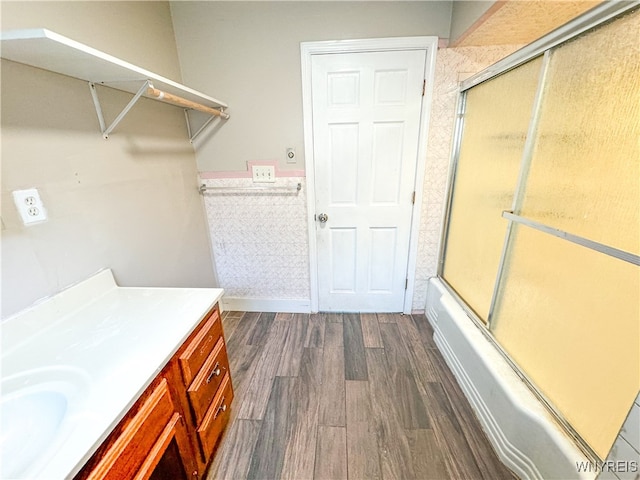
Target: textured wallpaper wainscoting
259,239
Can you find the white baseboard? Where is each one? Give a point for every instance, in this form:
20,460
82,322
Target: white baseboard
285,305
522,431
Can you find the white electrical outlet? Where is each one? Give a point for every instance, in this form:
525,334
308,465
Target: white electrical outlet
29,206
263,173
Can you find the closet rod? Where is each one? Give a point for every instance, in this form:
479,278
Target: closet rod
183,102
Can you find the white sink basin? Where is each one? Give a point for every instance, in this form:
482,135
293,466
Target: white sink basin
33,409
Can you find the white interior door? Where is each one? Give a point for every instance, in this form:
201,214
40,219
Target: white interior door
366,123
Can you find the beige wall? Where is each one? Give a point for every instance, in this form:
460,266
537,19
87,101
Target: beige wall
138,32
130,202
248,55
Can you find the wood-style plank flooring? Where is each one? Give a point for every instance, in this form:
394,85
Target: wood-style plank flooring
346,396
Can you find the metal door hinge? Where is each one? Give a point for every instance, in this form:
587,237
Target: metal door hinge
413,198
424,86
406,283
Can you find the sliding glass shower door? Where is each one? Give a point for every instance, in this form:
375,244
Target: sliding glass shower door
543,227
496,118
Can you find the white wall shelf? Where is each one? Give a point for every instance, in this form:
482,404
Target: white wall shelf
42,48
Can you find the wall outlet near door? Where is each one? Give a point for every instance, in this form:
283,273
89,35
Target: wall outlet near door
263,173
29,206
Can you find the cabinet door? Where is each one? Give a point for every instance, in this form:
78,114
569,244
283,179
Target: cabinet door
146,436
171,457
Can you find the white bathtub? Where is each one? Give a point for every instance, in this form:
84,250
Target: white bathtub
522,431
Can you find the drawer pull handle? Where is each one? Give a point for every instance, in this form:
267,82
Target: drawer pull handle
221,408
215,372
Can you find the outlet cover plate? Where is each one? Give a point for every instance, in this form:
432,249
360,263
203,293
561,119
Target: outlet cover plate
29,206
263,173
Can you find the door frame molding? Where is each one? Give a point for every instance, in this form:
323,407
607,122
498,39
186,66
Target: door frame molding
307,50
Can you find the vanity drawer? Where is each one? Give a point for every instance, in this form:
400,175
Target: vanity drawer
216,417
204,386
199,348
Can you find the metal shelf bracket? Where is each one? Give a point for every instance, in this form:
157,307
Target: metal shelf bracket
192,136
96,101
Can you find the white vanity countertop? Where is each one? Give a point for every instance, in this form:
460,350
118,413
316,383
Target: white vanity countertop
103,345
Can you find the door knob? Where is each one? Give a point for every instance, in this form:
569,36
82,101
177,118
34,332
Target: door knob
323,217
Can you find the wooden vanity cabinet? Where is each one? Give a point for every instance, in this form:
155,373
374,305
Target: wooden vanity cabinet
173,428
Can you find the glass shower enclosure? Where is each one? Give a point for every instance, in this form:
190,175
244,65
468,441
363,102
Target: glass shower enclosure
541,241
